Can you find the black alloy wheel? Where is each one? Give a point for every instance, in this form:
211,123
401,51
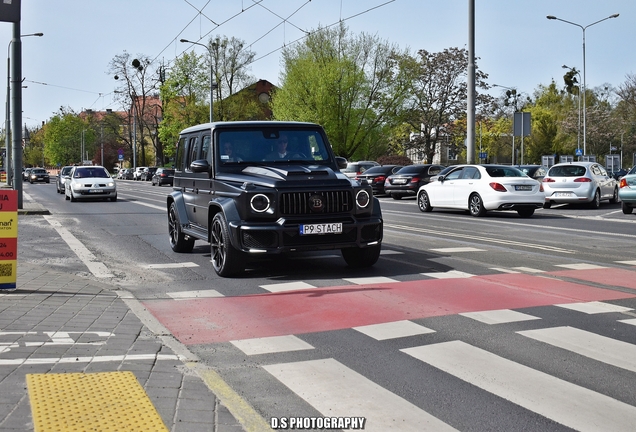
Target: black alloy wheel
179,242
226,260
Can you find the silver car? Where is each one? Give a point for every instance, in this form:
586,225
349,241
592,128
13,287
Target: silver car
579,182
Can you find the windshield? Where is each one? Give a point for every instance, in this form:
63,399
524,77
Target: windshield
91,172
271,145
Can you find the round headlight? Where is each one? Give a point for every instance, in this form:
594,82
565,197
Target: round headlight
260,203
362,198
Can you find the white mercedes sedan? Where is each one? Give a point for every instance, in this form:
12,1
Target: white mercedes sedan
480,188
90,182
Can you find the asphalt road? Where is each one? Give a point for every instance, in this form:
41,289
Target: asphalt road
494,323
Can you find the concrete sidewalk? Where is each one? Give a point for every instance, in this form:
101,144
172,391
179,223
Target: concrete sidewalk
55,323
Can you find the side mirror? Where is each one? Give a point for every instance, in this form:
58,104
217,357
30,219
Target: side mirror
342,162
440,178
200,165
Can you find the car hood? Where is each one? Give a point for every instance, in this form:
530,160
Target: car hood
287,176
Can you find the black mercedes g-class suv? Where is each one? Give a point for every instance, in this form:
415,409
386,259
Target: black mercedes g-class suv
259,188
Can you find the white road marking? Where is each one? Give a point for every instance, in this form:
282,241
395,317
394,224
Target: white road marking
451,274
458,249
528,270
607,350
170,265
371,280
565,403
86,359
337,391
390,252
594,307
503,270
393,330
288,286
96,267
189,295
632,262
580,266
271,345
499,316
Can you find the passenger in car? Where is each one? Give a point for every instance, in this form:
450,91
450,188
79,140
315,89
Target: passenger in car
228,155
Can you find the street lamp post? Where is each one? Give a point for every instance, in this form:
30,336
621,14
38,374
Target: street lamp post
212,83
8,160
552,17
578,139
511,92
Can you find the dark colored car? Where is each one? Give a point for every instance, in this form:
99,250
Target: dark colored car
618,173
536,172
163,176
376,176
128,175
39,175
258,207
407,181
147,173
62,176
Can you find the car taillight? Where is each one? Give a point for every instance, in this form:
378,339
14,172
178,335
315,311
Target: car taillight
623,183
379,179
415,180
163,175
582,180
498,187
548,180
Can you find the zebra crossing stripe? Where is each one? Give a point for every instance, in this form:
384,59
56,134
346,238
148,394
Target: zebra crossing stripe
337,391
607,350
594,307
499,316
271,345
565,403
393,330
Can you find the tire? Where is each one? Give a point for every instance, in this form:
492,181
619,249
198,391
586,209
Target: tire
114,199
627,209
361,257
179,242
614,198
596,202
526,212
72,197
226,260
547,204
66,196
423,202
476,205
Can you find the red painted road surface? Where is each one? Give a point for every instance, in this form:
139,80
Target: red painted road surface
222,319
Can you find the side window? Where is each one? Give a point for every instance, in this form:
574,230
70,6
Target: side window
454,175
470,173
602,170
434,170
178,163
194,151
595,170
205,148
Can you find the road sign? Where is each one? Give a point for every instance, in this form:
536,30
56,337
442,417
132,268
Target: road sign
578,152
120,152
120,157
483,155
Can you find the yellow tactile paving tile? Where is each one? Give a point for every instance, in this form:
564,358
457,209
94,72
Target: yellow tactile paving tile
105,401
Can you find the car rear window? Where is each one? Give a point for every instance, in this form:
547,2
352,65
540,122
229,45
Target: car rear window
504,172
567,171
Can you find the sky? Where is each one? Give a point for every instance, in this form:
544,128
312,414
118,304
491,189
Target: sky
516,45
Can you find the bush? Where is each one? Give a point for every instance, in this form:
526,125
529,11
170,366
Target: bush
394,160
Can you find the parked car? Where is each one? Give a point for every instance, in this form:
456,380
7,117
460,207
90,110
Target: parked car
262,208
627,191
39,175
163,176
62,176
137,173
618,173
376,176
354,169
480,188
408,180
128,174
90,182
536,172
579,182
121,173
147,173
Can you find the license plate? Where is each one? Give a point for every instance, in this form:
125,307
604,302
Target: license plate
95,191
399,181
523,187
563,194
325,228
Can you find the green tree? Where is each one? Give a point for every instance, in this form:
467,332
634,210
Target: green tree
352,85
437,98
63,138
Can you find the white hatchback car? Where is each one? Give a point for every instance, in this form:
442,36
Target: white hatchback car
480,188
88,182
137,172
579,182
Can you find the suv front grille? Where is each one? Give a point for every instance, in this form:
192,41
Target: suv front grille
298,203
